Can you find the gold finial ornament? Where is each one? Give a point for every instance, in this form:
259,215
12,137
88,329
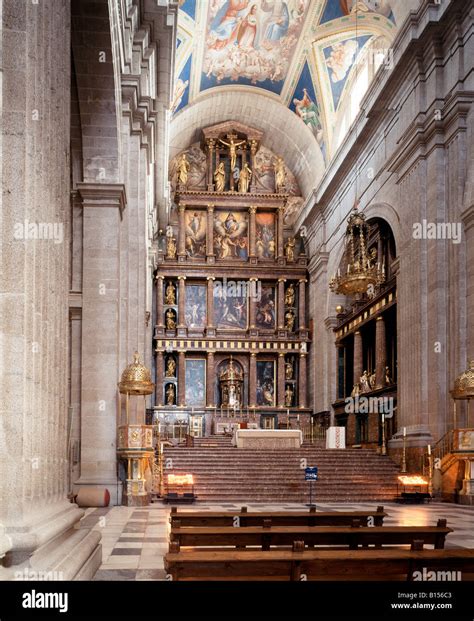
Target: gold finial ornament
136,379
464,384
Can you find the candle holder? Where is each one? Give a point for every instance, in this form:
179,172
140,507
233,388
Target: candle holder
430,474
404,455
384,444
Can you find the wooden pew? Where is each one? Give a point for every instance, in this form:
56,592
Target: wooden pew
267,536
363,565
278,518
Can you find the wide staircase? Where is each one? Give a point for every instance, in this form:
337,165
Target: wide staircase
225,473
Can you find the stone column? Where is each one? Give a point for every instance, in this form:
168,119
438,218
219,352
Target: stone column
358,362
210,380
253,380
181,233
210,235
252,309
280,219
210,164
302,304
181,305
210,329
34,316
339,385
103,205
181,400
281,380
159,378
159,304
302,381
253,152
252,235
380,352
281,304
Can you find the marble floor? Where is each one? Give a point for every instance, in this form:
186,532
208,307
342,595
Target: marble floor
134,540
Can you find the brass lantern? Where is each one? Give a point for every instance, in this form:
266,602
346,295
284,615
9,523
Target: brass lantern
135,438
360,271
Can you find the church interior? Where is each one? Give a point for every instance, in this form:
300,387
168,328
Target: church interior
237,301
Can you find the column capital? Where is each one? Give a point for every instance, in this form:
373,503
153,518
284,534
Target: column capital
282,280
281,355
103,195
253,354
182,207
209,278
380,318
210,207
303,354
253,279
302,280
357,332
252,209
181,277
159,277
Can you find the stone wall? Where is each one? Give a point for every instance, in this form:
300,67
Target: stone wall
406,159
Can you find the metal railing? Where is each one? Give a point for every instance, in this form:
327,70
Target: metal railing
455,440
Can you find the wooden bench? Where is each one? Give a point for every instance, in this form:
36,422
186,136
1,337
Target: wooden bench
267,536
277,518
362,565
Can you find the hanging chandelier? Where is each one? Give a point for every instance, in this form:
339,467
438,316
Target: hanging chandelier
360,271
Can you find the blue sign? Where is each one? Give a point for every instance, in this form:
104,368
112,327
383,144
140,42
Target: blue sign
311,474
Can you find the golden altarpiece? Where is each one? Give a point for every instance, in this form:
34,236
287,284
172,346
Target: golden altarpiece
231,330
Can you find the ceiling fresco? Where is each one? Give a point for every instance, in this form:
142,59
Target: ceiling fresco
299,52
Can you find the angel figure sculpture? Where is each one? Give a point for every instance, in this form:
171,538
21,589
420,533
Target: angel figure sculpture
196,234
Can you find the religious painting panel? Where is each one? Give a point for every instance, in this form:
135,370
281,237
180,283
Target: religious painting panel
251,42
231,235
195,382
266,308
195,226
265,242
230,304
266,382
195,306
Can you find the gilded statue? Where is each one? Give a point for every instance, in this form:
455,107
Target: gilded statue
280,175
170,295
183,169
355,390
372,379
364,382
170,394
388,377
288,397
219,177
171,247
289,321
244,178
290,249
170,367
290,295
232,144
170,320
288,370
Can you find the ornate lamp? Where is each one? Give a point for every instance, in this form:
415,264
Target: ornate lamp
361,271
135,439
